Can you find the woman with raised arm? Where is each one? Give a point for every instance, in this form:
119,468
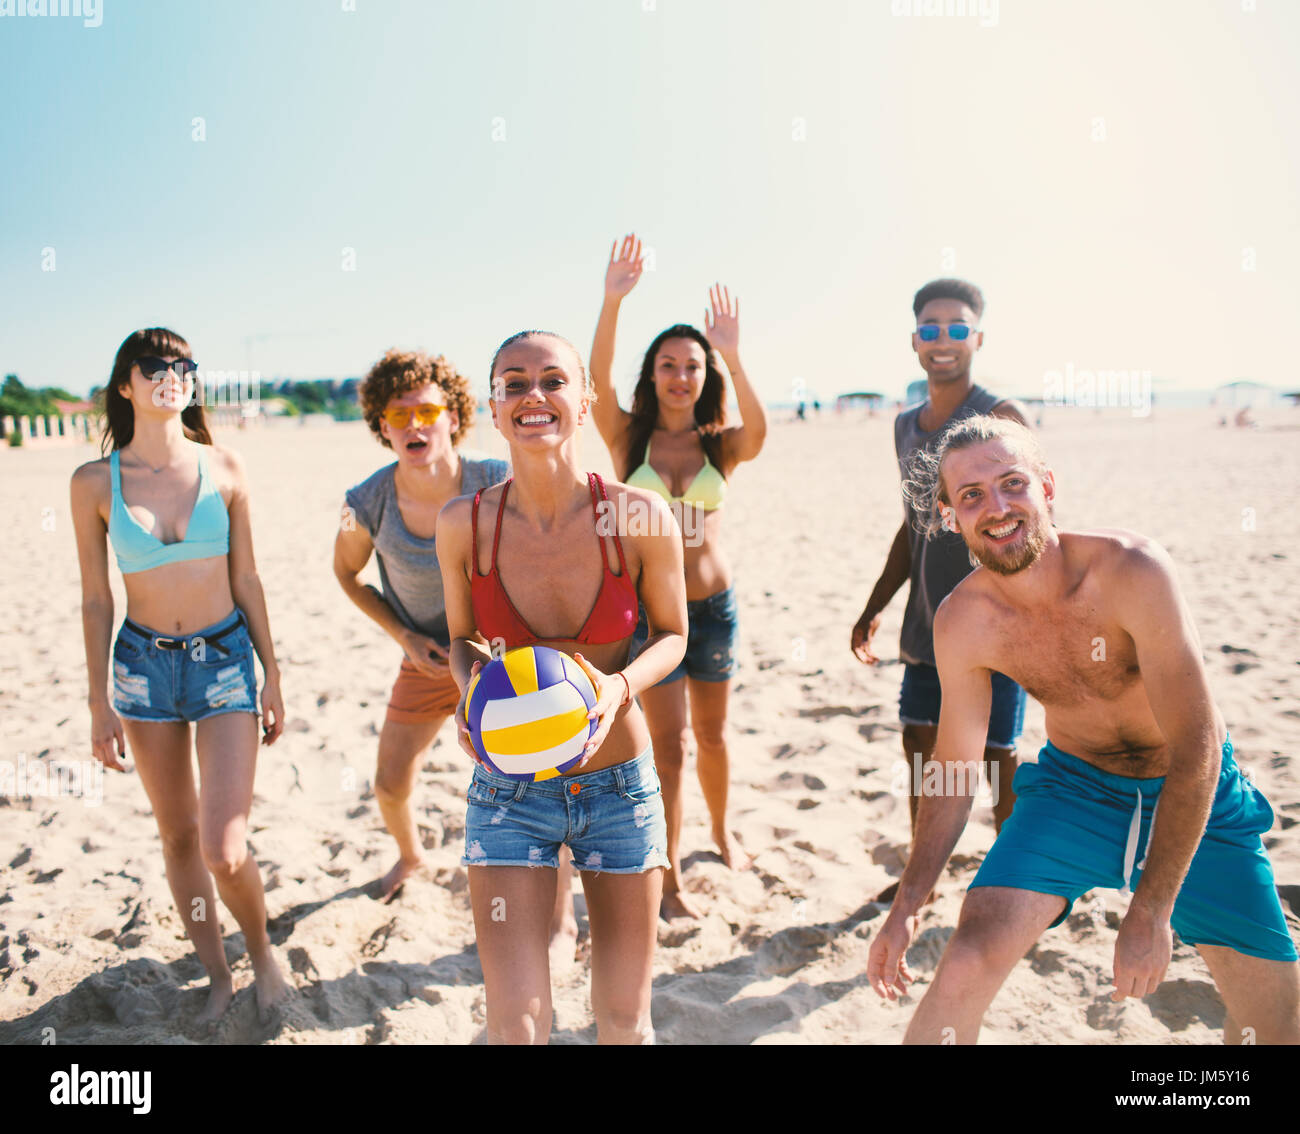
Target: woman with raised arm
675,442
540,560
175,508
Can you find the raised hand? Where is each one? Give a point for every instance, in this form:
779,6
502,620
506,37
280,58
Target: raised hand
722,322
625,266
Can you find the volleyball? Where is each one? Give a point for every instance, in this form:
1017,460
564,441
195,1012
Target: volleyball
527,713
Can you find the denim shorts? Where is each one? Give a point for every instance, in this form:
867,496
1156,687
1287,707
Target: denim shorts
918,704
157,677
710,639
1076,828
612,820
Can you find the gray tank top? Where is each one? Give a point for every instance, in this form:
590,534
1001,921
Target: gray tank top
938,564
408,565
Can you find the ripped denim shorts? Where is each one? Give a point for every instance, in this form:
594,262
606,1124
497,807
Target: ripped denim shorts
158,677
710,639
612,820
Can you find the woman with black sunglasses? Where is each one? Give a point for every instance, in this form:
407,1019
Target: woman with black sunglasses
175,508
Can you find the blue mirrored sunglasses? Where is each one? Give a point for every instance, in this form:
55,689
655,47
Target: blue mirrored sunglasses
928,332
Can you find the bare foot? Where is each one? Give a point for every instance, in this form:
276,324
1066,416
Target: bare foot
390,884
890,892
675,904
269,986
733,854
220,993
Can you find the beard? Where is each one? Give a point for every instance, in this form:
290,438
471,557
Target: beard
1016,556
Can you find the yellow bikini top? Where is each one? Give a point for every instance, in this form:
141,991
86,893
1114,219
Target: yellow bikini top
706,491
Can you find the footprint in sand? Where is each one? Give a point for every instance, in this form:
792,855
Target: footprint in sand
791,949
377,942
1178,1004
882,803
301,963
825,712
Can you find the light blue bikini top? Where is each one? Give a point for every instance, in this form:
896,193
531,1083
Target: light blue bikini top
206,535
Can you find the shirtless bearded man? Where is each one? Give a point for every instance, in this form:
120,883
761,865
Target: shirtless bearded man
1094,626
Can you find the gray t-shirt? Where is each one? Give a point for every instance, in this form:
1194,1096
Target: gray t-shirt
938,564
408,566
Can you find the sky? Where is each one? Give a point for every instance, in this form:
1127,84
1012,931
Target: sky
296,186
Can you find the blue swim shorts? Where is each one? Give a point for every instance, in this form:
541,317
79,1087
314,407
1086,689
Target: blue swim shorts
918,704
159,677
612,820
1073,829
710,639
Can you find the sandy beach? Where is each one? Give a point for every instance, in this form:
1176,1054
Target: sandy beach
91,945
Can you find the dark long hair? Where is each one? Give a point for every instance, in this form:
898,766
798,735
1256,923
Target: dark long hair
710,408
119,417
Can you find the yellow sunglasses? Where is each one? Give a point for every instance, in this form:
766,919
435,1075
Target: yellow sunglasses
425,414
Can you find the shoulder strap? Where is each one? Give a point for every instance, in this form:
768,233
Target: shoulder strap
594,481
473,533
501,511
902,423
982,400
116,472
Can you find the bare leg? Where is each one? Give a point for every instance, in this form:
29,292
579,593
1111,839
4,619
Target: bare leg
227,748
665,714
709,723
162,757
512,917
564,925
1261,995
996,928
624,910
1000,767
400,745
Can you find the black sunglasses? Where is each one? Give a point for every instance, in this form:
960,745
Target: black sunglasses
154,368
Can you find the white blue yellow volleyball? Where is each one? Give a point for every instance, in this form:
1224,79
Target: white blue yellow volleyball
527,713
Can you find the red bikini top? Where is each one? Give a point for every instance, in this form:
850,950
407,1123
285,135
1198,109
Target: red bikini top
612,618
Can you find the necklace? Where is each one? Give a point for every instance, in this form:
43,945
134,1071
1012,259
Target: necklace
150,467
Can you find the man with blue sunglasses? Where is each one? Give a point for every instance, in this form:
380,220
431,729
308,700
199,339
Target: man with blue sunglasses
946,338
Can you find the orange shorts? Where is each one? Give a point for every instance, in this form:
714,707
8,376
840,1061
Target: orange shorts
417,698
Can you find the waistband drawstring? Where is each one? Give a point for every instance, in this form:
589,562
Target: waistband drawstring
1130,847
